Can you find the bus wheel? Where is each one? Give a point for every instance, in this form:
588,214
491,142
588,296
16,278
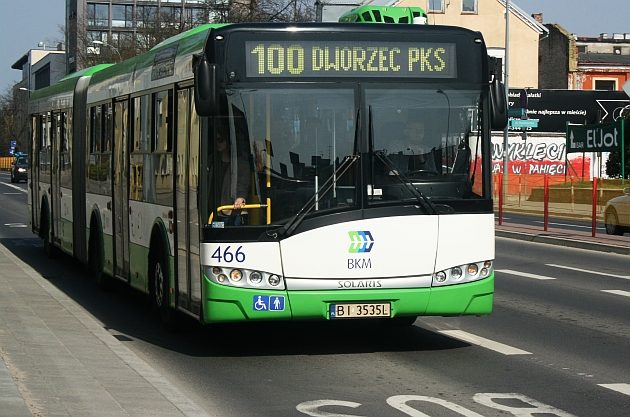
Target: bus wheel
95,260
45,231
159,277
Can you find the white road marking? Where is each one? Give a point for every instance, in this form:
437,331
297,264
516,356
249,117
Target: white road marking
11,193
14,186
483,342
618,292
16,225
622,388
588,271
524,274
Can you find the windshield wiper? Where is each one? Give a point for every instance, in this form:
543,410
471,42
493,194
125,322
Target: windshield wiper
288,228
420,196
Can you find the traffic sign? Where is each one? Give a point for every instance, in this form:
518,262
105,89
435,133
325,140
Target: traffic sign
516,112
523,123
604,137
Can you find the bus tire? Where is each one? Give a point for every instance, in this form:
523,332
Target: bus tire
45,231
160,286
95,256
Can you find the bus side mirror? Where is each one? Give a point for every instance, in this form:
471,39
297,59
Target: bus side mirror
498,105
205,86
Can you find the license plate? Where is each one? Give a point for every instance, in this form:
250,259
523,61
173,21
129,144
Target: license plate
358,310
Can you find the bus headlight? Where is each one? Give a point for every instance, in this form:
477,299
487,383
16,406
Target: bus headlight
244,278
255,278
463,273
236,275
274,280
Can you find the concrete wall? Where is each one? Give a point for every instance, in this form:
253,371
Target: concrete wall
553,59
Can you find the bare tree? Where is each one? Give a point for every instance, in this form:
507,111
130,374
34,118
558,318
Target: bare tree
238,11
153,24
13,123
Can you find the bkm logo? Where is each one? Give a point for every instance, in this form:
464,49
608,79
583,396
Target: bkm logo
362,242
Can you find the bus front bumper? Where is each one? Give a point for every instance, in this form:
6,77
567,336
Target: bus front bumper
231,304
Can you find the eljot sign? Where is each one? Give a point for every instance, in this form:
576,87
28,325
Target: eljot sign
604,137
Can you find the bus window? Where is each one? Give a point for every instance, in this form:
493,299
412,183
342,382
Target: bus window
141,147
160,174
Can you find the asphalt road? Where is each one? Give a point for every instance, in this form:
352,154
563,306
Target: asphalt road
558,343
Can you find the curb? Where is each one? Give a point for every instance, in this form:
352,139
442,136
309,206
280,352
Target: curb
560,241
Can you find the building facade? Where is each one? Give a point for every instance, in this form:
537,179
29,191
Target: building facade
603,62
557,58
117,29
487,17
40,68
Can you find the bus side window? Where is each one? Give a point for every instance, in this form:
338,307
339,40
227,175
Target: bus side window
161,174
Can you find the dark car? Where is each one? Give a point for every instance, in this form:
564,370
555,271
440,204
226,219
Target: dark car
19,169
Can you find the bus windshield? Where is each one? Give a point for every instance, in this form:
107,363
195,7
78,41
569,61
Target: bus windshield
295,141
291,146
426,137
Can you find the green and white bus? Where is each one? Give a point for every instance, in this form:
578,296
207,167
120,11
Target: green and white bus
258,171
385,14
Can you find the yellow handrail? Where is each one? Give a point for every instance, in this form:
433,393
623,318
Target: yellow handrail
244,207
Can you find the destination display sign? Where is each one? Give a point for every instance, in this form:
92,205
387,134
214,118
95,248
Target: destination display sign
316,59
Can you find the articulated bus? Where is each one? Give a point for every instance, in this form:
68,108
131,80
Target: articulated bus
315,171
385,14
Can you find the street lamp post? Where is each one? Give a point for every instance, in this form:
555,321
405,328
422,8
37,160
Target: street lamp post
101,43
506,157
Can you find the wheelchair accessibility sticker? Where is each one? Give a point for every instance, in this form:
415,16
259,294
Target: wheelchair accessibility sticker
268,303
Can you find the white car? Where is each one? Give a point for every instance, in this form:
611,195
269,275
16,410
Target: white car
617,214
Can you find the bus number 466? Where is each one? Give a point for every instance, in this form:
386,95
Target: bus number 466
227,255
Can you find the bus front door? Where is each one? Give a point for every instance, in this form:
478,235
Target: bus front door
186,201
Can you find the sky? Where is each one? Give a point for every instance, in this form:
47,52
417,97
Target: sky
25,23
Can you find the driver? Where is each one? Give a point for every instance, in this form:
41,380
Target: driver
415,142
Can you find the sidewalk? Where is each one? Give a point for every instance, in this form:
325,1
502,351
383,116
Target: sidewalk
57,360
563,237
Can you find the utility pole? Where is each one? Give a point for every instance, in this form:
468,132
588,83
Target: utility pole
506,157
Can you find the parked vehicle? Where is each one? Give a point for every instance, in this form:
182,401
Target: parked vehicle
19,169
617,214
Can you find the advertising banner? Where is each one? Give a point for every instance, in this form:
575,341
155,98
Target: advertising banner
555,108
604,137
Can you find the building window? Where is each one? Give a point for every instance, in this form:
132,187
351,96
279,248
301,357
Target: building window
609,85
170,16
436,6
469,6
196,16
122,40
98,14
122,16
146,16
42,77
